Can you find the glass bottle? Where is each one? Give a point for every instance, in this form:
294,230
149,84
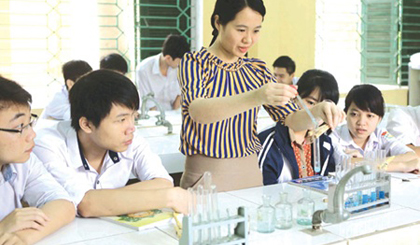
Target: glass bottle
266,218
284,216
306,207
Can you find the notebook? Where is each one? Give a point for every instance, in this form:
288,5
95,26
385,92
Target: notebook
316,183
146,219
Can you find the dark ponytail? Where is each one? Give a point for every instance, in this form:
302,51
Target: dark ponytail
227,10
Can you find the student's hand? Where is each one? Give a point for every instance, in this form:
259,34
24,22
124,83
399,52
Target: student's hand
329,113
353,153
24,218
412,166
275,94
180,199
10,239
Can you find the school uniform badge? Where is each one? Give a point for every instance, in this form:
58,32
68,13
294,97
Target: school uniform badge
386,135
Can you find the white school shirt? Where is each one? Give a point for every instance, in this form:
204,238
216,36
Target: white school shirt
378,139
404,124
29,182
59,107
58,148
149,79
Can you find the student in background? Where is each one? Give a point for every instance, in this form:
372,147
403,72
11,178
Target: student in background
286,154
365,109
404,124
59,108
93,155
23,177
222,92
284,70
158,74
114,62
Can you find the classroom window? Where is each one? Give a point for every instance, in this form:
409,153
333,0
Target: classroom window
38,37
154,20
367,41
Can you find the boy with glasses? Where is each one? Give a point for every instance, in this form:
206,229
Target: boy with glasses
23,177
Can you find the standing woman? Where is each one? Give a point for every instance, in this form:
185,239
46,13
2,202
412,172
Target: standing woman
222,92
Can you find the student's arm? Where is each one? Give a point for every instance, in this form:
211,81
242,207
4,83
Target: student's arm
416,149
10,238
59,213
408,162
107,202
23,218
157,183
177,103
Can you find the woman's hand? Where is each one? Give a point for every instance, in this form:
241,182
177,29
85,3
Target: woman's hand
275,94
329,113
24,218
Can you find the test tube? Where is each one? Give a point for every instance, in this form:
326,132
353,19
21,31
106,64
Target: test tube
207,180
317,156
215,213
338,171
316,152
200,211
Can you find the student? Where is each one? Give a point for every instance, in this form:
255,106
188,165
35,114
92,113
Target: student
222,92
23,177
114,62
404,124
286,154
59,108
158,74
364,106
93,155
284,70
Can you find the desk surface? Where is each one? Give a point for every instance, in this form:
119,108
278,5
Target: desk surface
396,224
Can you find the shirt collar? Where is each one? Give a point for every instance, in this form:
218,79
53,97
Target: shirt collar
292,136
73,146
112,154
156,68
9,173
348,140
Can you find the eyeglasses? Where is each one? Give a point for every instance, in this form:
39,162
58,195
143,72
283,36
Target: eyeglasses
32,123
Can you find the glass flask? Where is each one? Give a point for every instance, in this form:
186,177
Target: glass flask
305,209
284,218
266,217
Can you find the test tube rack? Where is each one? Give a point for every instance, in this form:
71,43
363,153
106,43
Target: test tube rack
368,197
240,235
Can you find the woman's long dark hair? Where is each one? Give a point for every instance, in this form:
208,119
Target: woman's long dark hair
227,10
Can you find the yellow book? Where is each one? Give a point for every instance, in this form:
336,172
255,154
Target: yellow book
145,220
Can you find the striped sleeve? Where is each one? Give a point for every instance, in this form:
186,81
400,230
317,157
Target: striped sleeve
277,113
190,77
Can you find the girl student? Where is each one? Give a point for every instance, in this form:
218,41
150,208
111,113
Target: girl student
287,154
364,106
222,92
